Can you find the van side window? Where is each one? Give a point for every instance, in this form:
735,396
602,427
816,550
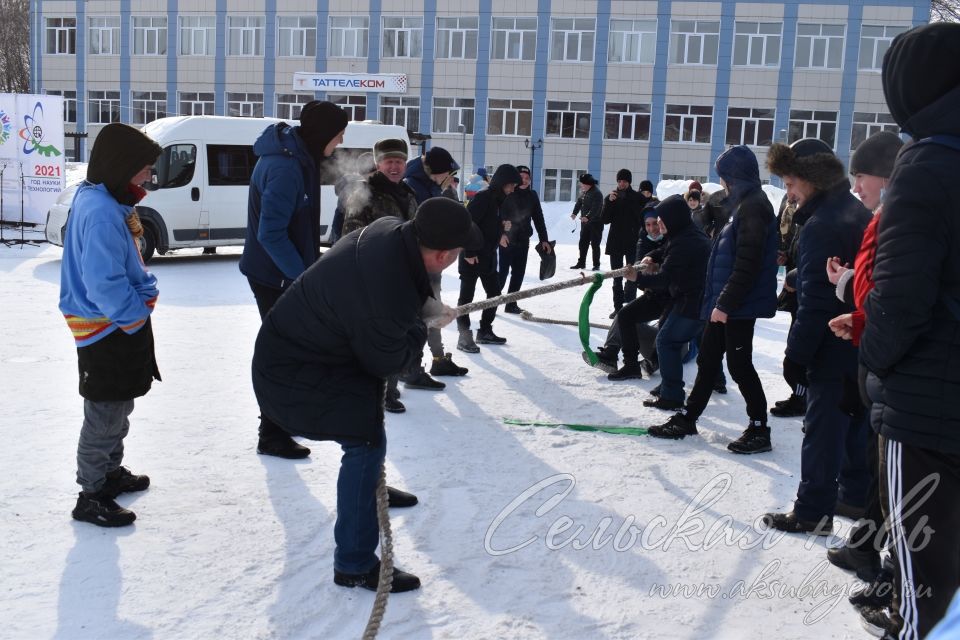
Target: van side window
230,165
174,168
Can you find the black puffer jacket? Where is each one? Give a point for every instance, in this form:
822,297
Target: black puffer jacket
713,214
351,320
625,217
377,198
521,208
911,344
485,211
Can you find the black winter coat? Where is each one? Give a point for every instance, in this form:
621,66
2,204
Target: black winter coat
911,343
521,208
484,208
624,215
351,320
590,206
376,198
831,225
713,215
683,268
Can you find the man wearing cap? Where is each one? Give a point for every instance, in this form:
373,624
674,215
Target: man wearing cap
428,175
520,208
283,220
325,350
590,207
833,473
622,210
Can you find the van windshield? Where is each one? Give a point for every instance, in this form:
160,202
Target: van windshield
175,166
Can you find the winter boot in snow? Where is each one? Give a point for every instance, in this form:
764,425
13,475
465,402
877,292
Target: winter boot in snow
511,307
629,371
650,366
445,366
791,523
606,359
100,509
393,405
466,343
676,428
400,499
792,407
863,560
755,439
277,442
878,593
579,265
120,480
421,380
402,581
487,336
660,403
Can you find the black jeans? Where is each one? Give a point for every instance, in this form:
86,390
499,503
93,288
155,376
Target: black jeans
735,338
513,262
590,235
468,287
266,297
644,309
621,295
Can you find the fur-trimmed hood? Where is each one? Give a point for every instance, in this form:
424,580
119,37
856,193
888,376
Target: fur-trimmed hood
822,170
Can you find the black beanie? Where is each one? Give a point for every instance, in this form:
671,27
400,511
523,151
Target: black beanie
320,122
588,179
875,155
119,153
625,175
646,185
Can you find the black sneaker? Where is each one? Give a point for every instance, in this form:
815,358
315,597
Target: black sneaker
649,367
281,446
756,439
402,581
878,593
629,371
422,380
793,407
877,622
121,480
596,267
400,499
511,307
445,366
100,509
659,403
864,561
393,405
609,366
487,336
790,523
676,428
578,266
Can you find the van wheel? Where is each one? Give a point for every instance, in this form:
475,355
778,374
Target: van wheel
147,243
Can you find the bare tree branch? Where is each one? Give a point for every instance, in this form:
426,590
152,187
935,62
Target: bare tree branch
14,46
945,11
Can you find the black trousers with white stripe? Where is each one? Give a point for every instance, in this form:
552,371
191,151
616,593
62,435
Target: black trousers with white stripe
920,496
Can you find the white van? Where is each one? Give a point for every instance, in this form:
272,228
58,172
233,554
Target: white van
203,176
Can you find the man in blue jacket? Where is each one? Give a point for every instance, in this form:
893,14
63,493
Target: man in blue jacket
741,286
817,363
283,221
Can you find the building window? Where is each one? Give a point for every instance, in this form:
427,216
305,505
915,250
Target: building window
571,39
688,123
568,119
874,42
623,121
457,38
69,103
813,124
104,107
198,35
355,106
104,36
150,36
148,106
819,46
245,35
402,36
559,185
297,36
245,105
694,42
632,41
757,44
289,105
348,36
514,39
450,113
196,104
752,127
400,110
867,124
61,36
509,117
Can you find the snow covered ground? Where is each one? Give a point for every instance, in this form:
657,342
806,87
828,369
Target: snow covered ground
521,532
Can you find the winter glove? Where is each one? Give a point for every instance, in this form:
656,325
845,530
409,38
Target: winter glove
796,376
850,402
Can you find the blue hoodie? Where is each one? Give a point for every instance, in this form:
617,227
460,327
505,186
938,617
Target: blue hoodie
418,180
283,209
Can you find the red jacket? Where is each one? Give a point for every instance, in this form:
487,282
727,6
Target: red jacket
863,275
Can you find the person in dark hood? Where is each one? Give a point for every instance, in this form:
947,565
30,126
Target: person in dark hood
520,209
741,286
911,341
833,474
283,221
623,211
481,263
590,207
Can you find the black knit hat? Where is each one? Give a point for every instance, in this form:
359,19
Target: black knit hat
389,148
625,175
119,153
588,179
443,224
646,185
438,160
320,122
875,155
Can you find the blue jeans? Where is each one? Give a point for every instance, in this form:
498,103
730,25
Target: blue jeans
674,334
357,532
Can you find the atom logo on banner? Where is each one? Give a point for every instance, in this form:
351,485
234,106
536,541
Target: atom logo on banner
32,134
6,126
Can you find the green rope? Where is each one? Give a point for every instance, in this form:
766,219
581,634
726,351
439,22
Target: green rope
585,319
614,429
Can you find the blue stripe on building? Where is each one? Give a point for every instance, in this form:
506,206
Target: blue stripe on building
220,64
270,59
81,77
373,55
482,84
323,28
125,53
721,100
848,86
173,28
595,158
540,70
427,65
659,94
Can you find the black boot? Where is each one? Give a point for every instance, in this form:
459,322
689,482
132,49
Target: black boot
877,622
402,581
121,480
274,441
487,336
400,499
659,403
676,428
607,359
790,523
792,407
420,380
629,371
100,509
579,265
650,366
878,593
393,405
756,439
863,560
445,366
511,307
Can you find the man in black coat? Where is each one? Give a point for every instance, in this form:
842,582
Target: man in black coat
520,209
622,210
481,264
326,348
911,342
817,363
590,208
